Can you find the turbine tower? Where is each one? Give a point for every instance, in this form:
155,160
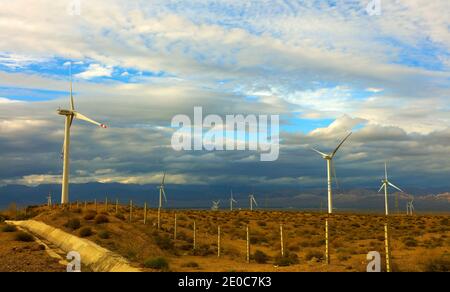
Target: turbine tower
70,114
232,200
330,168
385,183
252,200
162,195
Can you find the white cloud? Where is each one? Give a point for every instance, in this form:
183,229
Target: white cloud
95,70
7,100
300,59
374,90
16,61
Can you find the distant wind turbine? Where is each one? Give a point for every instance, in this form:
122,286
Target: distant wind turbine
162,195
410,207
330,168
70,115
215,205
49,200
384,184
232,201
252,200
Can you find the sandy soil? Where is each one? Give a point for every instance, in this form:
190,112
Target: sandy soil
17,256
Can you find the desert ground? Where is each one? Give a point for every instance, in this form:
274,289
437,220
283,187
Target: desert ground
418,242
21,253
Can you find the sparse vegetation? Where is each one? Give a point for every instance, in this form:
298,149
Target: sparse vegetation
260,257
190,265
440,264
85,232
163,242
23,236
9,228
120,216
352,236
73,223
158,263
287,260
90,215
101,219
410,242
104,234
314,254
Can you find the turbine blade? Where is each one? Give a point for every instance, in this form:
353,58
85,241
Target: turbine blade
71,121
79,116
333,169
340,144
382,186
163,179
394,186
254,200
321,153
72,105
164,194
385,170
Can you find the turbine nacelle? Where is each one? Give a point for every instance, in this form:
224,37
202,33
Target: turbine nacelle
65,112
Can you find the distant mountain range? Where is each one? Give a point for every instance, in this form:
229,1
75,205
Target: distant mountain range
201,196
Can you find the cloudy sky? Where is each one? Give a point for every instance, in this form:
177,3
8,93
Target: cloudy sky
326,67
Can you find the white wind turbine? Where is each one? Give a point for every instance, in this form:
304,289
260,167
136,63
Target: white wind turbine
232,200
384,184
252,200
69,116
215,205
162,195
330,168
162,192
49,200
410,207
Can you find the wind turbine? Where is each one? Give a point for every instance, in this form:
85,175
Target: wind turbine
232,201
215,205
70,114
252,200
410,207
49,200
384,184
162,195
330,167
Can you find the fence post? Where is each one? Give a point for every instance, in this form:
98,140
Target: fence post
218,241
248,244
145,213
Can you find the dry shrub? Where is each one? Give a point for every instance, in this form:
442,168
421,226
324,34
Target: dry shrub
90,215
101,219
85,232
438,264
73,224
